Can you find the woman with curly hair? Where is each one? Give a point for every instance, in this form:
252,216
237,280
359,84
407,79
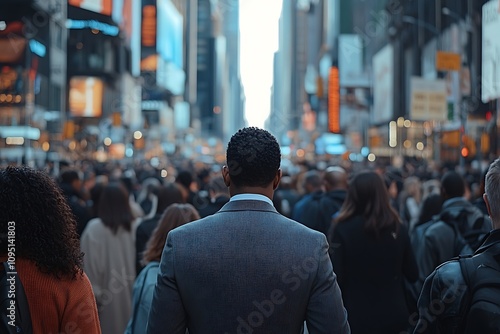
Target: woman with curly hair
174,216
47,252
108,242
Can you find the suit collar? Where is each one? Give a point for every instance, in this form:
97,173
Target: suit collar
248,205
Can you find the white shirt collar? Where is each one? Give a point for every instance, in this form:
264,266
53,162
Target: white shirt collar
251,197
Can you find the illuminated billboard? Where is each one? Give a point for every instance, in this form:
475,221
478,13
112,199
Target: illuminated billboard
85,96
98,6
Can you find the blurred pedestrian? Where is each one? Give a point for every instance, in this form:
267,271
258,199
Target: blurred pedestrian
371,254
174,216
71,183
218,196
247,267
48,259
109,247
451,290
165,195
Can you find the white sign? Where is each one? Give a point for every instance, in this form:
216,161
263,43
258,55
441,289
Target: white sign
428,100
491,52
383,84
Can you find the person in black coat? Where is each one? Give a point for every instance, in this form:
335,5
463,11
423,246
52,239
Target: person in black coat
371,254
167,194
218,196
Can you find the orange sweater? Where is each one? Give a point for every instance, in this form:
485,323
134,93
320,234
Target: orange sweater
58,306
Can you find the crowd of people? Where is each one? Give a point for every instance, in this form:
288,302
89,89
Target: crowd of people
247,247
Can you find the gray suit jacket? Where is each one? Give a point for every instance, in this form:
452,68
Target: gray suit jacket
246,269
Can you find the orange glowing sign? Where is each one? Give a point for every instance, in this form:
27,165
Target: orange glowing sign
149,26
334,101
98,6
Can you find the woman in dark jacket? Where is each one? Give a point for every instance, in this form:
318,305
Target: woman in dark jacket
371,255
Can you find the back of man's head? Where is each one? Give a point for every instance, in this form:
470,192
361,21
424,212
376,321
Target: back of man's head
492,190
216,186
69,176
335,178
452,185
253,157
312,181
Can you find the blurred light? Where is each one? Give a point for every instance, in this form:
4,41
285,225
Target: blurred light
18,98
3,97
8,98
353,157
83,143
488,115
107,141
95,31
371,157
407,144
401,122
45,146
217,110
465,152
100,155
155,162
164,173
3,25
72,145
300,153
365,151
79,45
129,152
420,146
137,135
407,123
393,136
14,140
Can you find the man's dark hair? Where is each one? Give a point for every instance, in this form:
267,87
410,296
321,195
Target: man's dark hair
253,157
453,184
68,176
185,178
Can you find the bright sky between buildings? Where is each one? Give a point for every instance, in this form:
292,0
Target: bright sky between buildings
259,27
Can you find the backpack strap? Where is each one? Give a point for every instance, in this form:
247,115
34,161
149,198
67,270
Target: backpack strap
23,315
476,279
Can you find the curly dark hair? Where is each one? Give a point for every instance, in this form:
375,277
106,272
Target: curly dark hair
45,228
253,157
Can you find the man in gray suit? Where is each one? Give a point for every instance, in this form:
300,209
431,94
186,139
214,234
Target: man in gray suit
247,269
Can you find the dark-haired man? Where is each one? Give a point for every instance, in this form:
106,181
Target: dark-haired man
435,243
460,296
247,268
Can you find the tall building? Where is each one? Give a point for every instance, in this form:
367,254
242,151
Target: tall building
32,77
214,85
103,69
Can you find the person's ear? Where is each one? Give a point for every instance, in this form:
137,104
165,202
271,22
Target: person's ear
226,176
487,202
277,179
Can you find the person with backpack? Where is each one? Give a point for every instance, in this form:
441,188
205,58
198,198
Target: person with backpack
458,229
463,295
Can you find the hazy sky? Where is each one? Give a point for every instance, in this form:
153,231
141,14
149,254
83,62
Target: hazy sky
259,40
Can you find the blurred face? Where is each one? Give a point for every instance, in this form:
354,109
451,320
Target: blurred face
393,190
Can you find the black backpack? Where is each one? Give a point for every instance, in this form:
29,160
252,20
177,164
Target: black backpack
481,312
15,312
468,236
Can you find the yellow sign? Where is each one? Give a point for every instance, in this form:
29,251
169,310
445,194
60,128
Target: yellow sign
448,61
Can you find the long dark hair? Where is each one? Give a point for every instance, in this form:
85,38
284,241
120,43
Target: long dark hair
114,207
33,207
367,196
